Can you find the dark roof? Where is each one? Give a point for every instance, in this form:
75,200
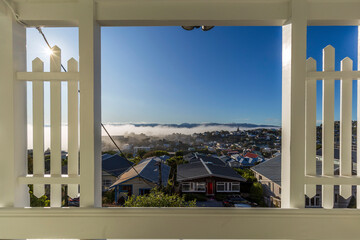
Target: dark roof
147,170
105,156
115,165
337,154
270,169
201,166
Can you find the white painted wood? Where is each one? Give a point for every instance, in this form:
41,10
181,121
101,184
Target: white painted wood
160,223
48,76
310,125
333,75
293,108
358,128
90,106
13,116
48,179
55,122
38,127
73,122
176,13
346,127
328,126
332,180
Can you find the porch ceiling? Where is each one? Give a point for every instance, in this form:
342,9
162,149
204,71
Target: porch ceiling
198,12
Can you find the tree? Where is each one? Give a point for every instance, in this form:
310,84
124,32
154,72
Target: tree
156,198
256,193
173,162
140,153
247,174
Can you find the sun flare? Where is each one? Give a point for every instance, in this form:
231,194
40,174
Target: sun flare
49,51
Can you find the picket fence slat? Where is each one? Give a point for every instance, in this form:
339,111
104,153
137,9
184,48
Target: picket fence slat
73,136
345,127
328,126
310,124
38,127
55,122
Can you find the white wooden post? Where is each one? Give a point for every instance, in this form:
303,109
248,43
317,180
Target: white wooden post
55,123
73,122
328,126
293,107
90,106
38,127
13,117
346,127
310,124
358,128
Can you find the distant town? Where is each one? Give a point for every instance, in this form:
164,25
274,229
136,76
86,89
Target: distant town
239,168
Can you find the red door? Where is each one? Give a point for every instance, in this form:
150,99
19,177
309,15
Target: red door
210,188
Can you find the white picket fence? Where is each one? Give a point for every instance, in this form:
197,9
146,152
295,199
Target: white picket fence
327,179
55,179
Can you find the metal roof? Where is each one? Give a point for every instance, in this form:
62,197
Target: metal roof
147,170
202,166
115,165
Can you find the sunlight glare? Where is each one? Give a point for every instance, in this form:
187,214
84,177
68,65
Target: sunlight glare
49,51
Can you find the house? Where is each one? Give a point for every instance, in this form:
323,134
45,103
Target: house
268,174
140,179
246,161
112,167
207,175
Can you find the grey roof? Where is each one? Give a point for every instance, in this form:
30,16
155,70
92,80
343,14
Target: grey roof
115,165
201,166
147,170
270,169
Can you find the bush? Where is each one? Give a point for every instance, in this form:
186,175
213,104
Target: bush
108,196
157,198
195,196
42,201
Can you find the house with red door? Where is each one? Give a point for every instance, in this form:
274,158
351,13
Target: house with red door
208,175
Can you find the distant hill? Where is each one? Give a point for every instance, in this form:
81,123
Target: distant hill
193,125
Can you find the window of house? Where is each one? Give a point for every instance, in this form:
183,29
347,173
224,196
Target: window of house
200,187
144,191
235,187
186,187
227,187
106,182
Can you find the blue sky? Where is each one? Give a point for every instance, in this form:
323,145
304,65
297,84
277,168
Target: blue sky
169,75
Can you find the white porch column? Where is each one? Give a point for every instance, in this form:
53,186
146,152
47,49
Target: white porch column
293,107
90,106
13,130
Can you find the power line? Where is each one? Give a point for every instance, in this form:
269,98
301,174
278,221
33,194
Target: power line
17,18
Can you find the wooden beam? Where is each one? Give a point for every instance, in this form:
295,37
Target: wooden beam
163,223
47,76
293,108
